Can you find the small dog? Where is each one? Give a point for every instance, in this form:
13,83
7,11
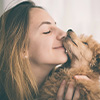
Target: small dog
83,59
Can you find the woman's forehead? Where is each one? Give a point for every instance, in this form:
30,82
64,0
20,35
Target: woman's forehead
38,15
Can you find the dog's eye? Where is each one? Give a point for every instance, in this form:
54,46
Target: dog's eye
85,43
46,32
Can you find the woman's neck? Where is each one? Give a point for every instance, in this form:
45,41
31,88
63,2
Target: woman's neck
40,72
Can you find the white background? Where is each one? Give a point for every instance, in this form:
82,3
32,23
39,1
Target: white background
83,16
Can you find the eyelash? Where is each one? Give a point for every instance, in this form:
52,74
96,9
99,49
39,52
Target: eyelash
46,32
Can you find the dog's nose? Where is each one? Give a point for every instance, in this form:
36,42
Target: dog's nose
70,30
67,35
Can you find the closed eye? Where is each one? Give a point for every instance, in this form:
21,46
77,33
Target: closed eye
46,32
85,43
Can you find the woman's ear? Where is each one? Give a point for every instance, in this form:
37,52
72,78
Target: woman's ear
24,54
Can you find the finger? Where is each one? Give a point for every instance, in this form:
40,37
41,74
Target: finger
76,94
60,93
82,77
70,91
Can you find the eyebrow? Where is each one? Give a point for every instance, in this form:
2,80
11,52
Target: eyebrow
45,22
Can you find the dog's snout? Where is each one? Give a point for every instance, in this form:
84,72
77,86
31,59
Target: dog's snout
63,39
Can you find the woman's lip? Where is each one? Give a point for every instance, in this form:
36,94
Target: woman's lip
58,47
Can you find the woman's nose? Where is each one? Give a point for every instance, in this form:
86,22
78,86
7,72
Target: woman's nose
61,34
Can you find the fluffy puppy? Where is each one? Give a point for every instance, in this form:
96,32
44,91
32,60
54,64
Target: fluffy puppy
84,59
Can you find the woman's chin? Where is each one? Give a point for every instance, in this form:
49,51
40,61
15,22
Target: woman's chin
62,60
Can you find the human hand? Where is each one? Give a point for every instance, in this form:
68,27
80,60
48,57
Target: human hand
71,94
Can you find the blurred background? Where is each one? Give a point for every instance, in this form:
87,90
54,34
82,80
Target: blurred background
83,16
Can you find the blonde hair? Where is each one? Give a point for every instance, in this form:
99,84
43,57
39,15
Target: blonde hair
16,80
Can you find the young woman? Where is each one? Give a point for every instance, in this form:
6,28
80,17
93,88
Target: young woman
30,47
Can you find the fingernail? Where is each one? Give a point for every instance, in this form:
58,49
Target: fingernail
76,77
63,82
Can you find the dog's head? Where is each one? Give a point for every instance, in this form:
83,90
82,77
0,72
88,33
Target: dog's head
82,51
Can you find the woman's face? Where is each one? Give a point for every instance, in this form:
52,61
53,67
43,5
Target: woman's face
45,46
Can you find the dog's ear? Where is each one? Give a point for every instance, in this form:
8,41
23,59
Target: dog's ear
98,62
94,46
95,63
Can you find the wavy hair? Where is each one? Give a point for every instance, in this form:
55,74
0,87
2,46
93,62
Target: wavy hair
16,80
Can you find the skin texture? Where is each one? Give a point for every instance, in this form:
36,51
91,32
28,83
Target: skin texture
45,46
